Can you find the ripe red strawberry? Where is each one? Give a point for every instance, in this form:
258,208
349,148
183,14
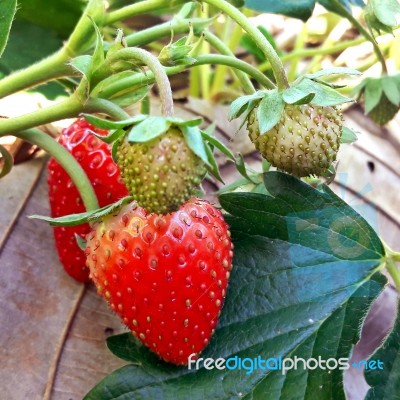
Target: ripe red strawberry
95,158
164,275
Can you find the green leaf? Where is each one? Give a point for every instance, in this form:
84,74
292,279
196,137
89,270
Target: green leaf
385,381
196,143
301,9
303,280
21,52
324,95
270,110
59,16
372,94
148,129
391,89
109,124
7,12
294,95
80,242
239,106
7,160
333,71
85,217
348,136
241,167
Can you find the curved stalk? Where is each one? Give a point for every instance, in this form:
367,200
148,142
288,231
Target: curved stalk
393,271
67,161
160,76
257,36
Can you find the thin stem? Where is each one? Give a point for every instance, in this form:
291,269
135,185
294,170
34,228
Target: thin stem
304,53
363,31
222,48
177,26
258,37
67,161
53,67
299,44
205,70
145,79
69,108
393,271
139,8
145,105
107,107
161,78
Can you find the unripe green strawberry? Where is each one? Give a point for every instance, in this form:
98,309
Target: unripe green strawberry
304,142
160,174
384,111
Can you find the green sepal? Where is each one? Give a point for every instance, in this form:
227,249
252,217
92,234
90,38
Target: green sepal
381,14
149,129
196,143
112,137
212,165
295,96
80,242
239,161
181,122
85,217
332,71
324,95
176,53
391,88
372,93
8,161
82,64
270,110
109,124
240,105
348,136
114,150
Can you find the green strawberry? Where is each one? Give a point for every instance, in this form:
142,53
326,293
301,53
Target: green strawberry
162,173
384,111
304,142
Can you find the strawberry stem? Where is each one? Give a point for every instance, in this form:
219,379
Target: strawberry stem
140,8
160,76
257,36
67,161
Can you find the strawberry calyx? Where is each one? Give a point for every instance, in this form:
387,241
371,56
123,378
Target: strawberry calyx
381,97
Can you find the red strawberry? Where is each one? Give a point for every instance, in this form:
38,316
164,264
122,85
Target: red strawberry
164,275
95,158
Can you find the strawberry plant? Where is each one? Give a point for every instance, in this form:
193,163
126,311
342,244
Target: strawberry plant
256,290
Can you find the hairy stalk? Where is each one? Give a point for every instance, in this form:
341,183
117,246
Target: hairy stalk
160,76
140,8
257,36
